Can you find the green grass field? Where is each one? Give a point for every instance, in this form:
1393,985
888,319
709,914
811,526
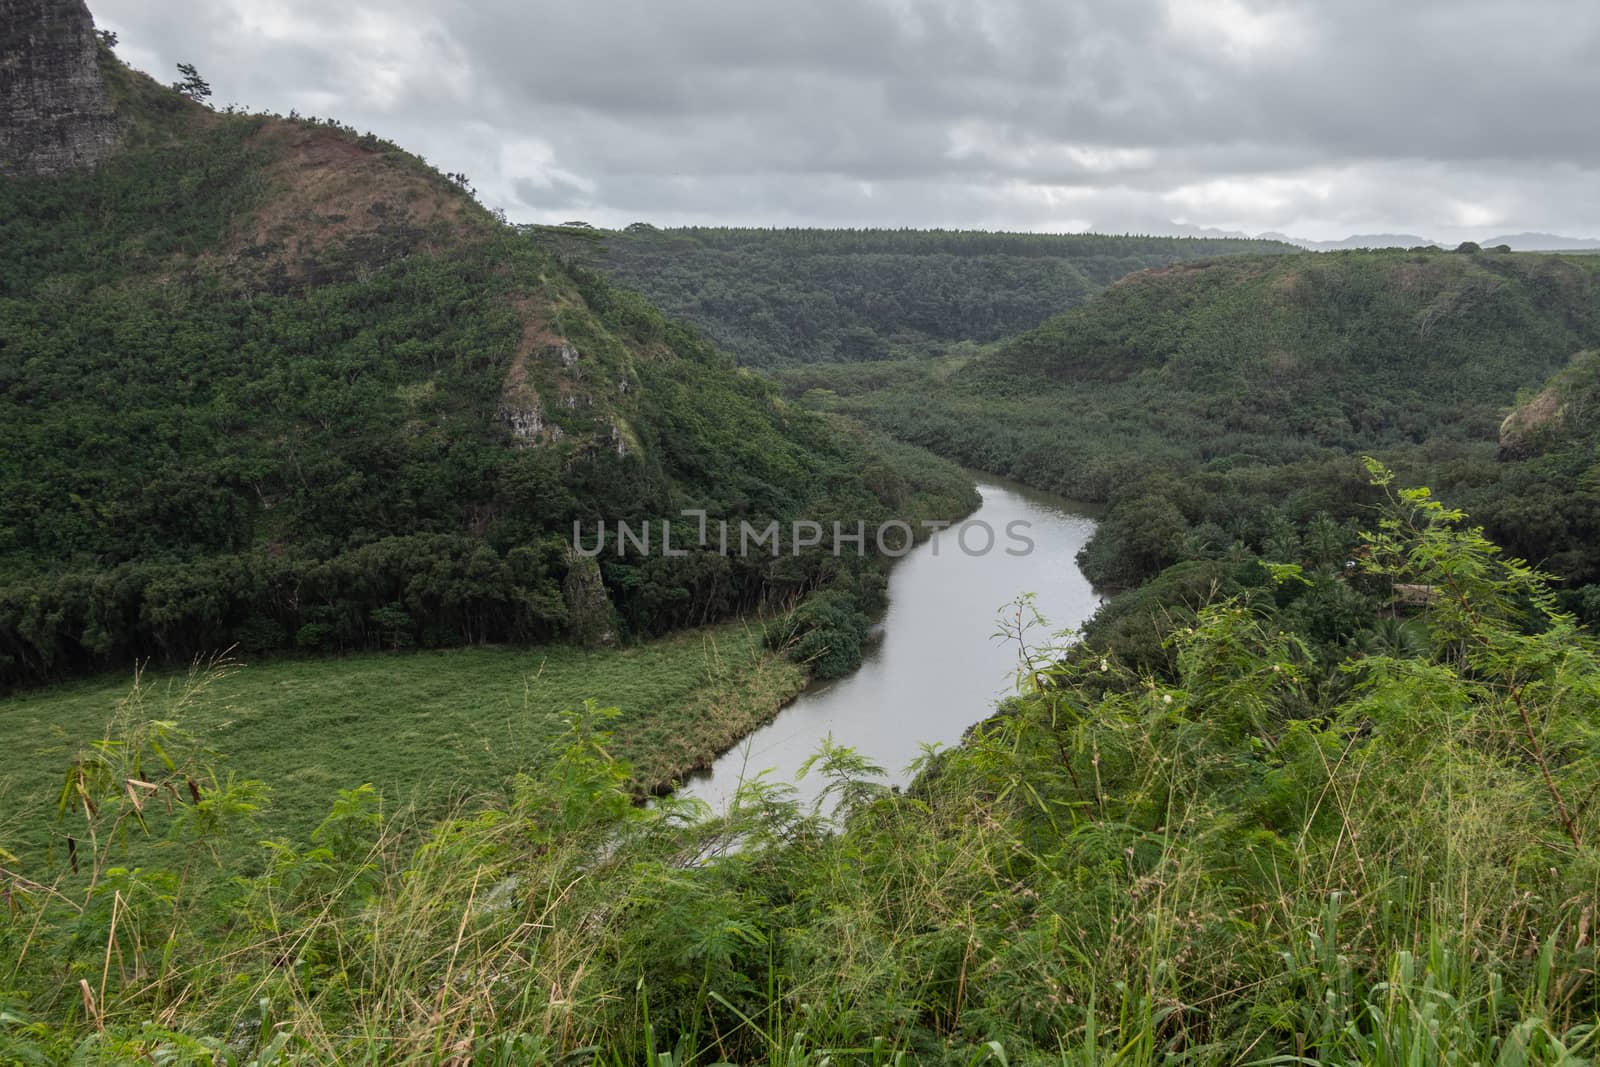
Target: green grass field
424,727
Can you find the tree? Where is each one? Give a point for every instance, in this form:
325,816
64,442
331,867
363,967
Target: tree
192,85
588,608
1469,247
107,38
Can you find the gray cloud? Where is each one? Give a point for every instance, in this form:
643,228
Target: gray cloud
1452,118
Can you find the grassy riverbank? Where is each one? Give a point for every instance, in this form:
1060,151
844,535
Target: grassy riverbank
424,728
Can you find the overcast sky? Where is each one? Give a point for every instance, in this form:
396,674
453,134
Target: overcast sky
1319,118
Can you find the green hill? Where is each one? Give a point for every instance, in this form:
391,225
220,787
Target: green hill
1371,331
776,297
267,381
1218,403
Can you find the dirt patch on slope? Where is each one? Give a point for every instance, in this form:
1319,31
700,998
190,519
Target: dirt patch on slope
522,407
329,189
537,333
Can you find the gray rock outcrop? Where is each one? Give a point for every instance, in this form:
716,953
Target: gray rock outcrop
55,114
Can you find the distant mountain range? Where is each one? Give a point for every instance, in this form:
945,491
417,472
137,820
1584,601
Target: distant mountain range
1518,242
1360,240
1544,242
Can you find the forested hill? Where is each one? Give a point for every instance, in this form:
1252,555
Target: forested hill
784,296
1545,502
1218,406
272,382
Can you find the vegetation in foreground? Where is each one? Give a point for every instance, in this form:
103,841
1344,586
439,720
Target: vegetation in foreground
1276,847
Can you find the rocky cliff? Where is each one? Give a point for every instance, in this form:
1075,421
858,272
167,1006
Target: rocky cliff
55,114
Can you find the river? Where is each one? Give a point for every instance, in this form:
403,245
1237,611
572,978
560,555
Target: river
934,666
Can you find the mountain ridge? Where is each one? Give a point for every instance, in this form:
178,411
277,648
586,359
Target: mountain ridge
801,295
276,383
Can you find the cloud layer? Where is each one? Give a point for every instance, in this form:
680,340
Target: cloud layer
1452,118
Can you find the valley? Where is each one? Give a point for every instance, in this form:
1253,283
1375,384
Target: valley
778,298
327,741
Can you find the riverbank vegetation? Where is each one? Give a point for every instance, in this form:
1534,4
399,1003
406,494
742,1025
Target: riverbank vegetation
1280,848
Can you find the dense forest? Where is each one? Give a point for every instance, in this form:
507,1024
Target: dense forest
270,383
1221,407
776,297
